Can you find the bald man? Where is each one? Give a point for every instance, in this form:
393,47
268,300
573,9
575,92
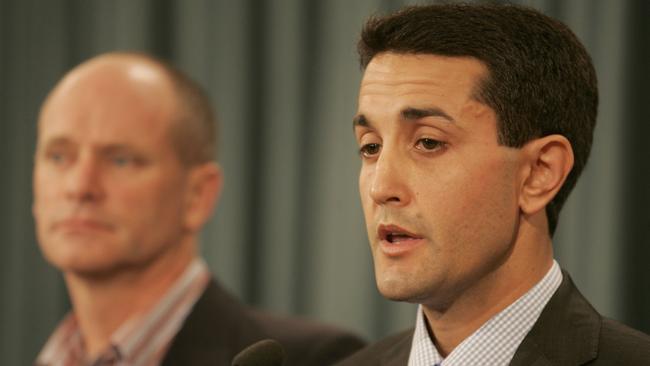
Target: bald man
124,179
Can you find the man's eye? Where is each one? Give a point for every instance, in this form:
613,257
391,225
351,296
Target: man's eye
429,144
121,160
55,157
369,150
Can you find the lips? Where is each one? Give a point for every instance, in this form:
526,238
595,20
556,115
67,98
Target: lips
397,241
75,224
395,234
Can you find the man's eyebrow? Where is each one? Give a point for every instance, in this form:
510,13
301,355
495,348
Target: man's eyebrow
411,113
54,142
408,114
359,120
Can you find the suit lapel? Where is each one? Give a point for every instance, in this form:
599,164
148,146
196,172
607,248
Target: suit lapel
216,329
566,332
529,354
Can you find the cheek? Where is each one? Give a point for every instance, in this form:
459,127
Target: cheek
364,188
367,203
489,179
146,202
45,192
149,217
490,206
468,200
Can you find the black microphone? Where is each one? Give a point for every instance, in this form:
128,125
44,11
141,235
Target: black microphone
267,352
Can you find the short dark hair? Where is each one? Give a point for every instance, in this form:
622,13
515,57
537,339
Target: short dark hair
540,81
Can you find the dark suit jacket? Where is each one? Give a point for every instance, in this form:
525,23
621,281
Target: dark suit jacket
219,327
568,332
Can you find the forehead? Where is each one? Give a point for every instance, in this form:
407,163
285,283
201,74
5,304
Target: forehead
411,88
111,103
421,77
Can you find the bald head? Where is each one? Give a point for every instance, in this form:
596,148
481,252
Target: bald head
129,80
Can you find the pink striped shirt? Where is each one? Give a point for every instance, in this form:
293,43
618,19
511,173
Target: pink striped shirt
143,339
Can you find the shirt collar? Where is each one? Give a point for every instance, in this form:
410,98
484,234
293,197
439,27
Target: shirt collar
144,334
141,337
496,341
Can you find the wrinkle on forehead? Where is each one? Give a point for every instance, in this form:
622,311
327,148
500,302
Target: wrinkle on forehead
476,109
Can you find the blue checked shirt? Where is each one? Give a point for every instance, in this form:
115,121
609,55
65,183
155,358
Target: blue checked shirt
496,341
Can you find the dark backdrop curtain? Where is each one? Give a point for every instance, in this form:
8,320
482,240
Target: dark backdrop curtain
289,233
635,241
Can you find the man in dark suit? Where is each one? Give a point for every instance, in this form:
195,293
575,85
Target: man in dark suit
473,125
124,179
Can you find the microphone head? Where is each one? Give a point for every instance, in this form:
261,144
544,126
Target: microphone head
267,352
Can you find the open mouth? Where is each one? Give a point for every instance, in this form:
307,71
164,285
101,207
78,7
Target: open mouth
395,234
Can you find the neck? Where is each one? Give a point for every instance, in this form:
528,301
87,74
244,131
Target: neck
101,305
531,259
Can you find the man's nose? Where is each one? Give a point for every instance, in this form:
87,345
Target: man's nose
389,183
84,182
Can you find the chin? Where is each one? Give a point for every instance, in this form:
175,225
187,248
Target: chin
411,288
397,288
405,295
80,262
92,270
82,265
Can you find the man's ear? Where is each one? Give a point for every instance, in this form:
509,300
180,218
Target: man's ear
204,188
549,160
